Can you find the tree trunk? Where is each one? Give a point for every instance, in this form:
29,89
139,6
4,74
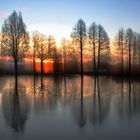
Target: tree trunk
139,61
122,58
34,70
129,57
94,59
133,65
34,63
41,74
41,67
99,48
65,66
81,47
16,74
65,83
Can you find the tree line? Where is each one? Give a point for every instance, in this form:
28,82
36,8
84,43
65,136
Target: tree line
88,51
128,49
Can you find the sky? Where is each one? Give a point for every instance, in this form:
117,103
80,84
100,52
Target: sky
58,17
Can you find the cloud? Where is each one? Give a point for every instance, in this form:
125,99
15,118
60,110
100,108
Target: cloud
59,31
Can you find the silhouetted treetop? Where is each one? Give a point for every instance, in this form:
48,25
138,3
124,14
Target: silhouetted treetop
79,30
15,38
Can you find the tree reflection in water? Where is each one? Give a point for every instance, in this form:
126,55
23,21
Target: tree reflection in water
128,103
100,102
86,99
15,105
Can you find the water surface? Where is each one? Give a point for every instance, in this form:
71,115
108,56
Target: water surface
69,108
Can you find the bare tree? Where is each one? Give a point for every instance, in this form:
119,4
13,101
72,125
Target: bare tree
105,51
120,44
42,50
93,40
135,50
35,40
138,47
14,38
64,51
73,56
52,52
102,43
129,39
51,46
40,42
79,33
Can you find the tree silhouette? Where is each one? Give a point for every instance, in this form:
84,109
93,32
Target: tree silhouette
138,47
52,53
73,55
35,40
40,47
93,40
120,44
40,42
14,41
135,51
64,45
129,42
79,33
102,43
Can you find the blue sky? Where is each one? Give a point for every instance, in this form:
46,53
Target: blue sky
57,17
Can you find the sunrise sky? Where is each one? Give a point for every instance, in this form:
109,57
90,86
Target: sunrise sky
57,17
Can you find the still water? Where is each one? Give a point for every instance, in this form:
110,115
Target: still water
59,108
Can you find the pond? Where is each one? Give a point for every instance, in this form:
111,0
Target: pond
69,108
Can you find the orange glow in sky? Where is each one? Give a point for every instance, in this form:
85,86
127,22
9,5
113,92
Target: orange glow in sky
6,58
47,66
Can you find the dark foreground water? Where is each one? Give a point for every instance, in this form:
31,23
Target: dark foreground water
61,108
